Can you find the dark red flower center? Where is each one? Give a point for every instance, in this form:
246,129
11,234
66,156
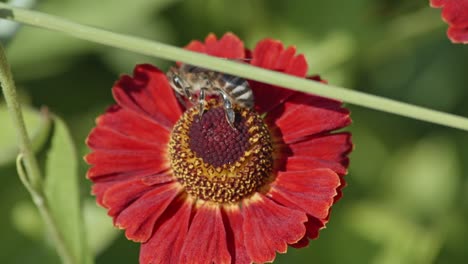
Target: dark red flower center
217,162
215,141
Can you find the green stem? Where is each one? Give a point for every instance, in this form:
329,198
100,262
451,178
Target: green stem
164,51
39,200
30,174
14,108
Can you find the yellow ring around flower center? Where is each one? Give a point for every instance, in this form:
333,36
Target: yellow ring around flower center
216,162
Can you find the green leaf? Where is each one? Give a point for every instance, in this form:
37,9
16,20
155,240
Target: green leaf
27,220
99,227
38,127
61,189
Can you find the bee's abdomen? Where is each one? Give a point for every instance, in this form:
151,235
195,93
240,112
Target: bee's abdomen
238,89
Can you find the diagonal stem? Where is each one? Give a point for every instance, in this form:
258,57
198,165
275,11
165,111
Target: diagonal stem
156,49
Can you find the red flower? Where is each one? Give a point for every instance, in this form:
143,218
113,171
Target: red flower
194,190
455,13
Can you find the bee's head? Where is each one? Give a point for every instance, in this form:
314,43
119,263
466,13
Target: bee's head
178,83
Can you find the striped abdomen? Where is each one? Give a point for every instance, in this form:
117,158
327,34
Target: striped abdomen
238,89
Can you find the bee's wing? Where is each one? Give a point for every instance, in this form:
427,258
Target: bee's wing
193,69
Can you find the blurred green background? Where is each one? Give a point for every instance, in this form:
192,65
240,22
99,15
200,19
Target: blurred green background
407,194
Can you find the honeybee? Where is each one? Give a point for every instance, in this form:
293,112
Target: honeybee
195,83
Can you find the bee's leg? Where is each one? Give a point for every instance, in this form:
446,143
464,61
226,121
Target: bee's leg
188,94
201,102
181,100
227,105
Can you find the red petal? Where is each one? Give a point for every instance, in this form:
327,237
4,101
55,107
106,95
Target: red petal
196,45
148,93
235,235
270,54
229,46
102,174
131,159
329,148
313,191
118,195
313,225
206,240
458,35
157,178
105,182
267,97
139,217
309,163
102,138
99,189
304,115
437,3
270,227
165,246
110,163
132,124
455,12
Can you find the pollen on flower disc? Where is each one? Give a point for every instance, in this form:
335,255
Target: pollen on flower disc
217,162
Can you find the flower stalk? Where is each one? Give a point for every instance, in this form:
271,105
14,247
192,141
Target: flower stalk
156,49
14,107
27,164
